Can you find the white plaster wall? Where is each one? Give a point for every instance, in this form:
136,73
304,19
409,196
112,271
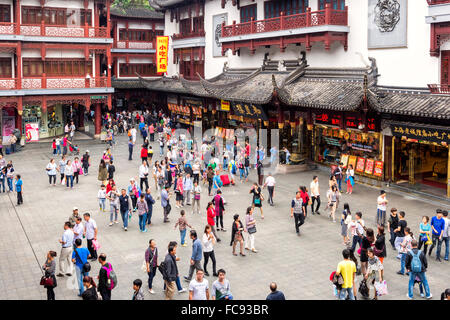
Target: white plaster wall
169,29
412,66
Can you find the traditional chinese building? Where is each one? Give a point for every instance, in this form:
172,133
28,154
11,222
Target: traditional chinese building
54,63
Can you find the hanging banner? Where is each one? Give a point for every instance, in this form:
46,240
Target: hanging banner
344,160
224,105
369,166
32,132
162,50
352,161
421,132
360,165
378,170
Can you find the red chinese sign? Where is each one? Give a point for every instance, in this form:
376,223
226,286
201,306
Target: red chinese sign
378,170
360,165
369,166
325,118
162,50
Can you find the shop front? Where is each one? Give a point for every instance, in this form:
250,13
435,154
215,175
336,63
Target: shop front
420,157
8,123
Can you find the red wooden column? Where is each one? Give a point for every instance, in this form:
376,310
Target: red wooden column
108,61
108,17
19,114
19,65
17,16
98,119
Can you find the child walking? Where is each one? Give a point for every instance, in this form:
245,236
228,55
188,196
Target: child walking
102,197
54,146
182,223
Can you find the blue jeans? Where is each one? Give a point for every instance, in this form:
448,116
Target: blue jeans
113,214
423,278
125,218
80,275
344,291
339,182
10,184
435,239
130,151
230,297
381,217
149,216
2,184
71,181
101,203
182,235
356,240
241,174
402,262
287,158
142,219
446,241
58,149
246,172
161,151
151,275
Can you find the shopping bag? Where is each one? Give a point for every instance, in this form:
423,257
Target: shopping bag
63,182
381,288
144,266
81,171
96,245
429,242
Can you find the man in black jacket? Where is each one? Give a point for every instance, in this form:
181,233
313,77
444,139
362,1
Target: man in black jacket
413,274
103,278
172,272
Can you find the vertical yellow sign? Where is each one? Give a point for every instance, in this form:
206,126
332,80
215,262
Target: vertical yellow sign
162,49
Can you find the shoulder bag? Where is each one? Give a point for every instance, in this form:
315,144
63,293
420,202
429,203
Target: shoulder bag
86,265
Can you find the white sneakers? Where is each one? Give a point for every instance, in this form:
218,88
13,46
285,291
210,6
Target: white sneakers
151,291
182,290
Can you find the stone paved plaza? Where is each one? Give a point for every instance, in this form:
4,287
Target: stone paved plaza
300,265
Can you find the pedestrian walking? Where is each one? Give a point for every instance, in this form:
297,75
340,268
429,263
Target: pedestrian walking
49,268
416,264
347,268
106,277
165,198
405,246
3,179
338,174
198,287
350,178
270,184
151,263
366,243
68,174
80,256
113,197
236,235
102,172
101,195
171,272
187,189
208,242
111,170
150,202
219,210
211,215
90,232
425,234
143,175
438,228
357,229
381,209
62,168
258,198
297,212
306,200
134,192
130,148
182,223
392,224
179,191
250,230
400,232
446,234
220,289
86,162
142,209
346,219
196,256
76,167
51,172
374,271
65,262
197,193
333,196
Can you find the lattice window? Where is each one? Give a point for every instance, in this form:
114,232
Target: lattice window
336,4
273,9
185,26
143,69
56,16
5,68
445,67
198,24
5,13
248,12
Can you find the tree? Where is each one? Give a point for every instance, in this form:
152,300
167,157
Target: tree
124,4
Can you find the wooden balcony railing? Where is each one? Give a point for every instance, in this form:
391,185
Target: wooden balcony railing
126,44
433,2
194,34
45,82
439,88
328,16
53,30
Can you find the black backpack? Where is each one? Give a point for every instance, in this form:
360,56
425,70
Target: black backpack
163,269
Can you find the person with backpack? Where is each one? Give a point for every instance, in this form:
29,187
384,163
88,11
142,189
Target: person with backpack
416,265
347,268
297,212
219,209
80,257
107,279
169,271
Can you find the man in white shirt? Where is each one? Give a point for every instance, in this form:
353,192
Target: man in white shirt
65,258
90,232
143,175
78,230
133,134
381,209
270,183
199,287
315,195
446,234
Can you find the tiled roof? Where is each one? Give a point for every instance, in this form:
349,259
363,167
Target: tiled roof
168,3
173,85
137,12
420,104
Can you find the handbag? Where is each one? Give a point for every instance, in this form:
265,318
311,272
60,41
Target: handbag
381,288
252,229
86,266
257,201
197,196
47,281
429,242
378,252
96,245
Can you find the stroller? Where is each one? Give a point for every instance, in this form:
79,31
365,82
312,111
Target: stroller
74,149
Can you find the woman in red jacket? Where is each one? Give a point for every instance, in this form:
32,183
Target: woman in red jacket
144,153
211,215
305,198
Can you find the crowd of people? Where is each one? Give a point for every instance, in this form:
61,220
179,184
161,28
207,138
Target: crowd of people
183,173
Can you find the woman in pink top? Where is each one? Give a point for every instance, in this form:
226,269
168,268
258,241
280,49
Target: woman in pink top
76,165
151,130
179,192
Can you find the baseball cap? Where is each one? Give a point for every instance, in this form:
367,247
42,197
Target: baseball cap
75,208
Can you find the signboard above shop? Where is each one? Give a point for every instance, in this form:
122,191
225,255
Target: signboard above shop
421,133
249,111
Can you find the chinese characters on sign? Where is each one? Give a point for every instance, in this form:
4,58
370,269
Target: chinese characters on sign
378,170
249,111
325,118
421,133
224,105
369,166
360,165
162,49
